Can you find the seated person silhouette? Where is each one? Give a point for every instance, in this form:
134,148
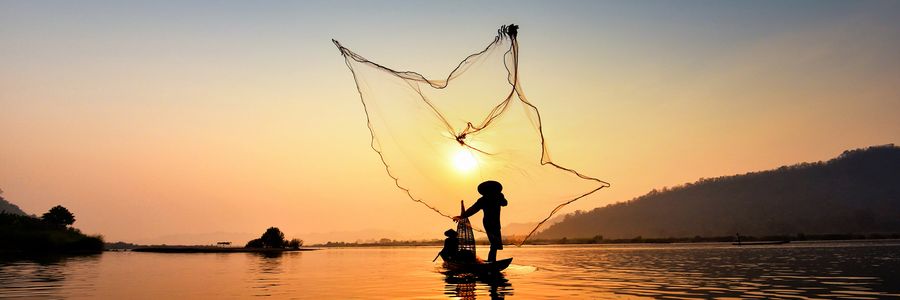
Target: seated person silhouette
490,202
451,245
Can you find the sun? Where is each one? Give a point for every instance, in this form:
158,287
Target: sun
464,160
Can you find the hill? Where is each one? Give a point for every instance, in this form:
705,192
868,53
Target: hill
7,207
522,229
857,192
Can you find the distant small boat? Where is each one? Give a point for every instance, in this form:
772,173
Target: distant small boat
477,267
760,243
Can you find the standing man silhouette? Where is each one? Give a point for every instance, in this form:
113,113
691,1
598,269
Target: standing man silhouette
490,202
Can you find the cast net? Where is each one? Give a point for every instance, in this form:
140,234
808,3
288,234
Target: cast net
439,138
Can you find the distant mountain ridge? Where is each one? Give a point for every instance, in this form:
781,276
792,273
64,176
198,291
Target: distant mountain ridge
7,207
524,228
857,192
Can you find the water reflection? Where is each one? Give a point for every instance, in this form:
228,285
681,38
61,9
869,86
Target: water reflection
466,285
814,270
43,276
267,268
856,271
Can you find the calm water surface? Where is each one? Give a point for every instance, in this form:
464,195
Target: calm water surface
853,270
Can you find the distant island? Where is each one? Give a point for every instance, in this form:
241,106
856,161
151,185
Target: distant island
271,241
855,195
21,234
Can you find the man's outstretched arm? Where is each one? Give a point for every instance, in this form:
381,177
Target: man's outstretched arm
469,212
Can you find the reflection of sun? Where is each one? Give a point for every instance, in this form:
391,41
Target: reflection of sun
464,160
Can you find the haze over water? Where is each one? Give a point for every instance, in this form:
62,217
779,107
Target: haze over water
801,270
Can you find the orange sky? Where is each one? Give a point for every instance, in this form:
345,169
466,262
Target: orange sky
215,121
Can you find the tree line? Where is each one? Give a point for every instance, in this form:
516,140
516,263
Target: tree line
51,233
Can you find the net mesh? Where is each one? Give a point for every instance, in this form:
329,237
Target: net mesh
439,140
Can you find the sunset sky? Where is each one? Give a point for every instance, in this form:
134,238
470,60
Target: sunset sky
182,122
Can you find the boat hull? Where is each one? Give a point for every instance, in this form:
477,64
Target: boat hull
478,267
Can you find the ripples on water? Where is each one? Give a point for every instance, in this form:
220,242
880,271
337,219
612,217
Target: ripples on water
858,270
802,270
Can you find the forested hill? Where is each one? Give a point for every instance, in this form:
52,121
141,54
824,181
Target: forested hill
857,192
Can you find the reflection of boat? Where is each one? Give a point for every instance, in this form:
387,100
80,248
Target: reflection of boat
465,286
760,243
467,263
477,267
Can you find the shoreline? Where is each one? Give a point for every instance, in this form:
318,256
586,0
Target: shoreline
746,243
213,249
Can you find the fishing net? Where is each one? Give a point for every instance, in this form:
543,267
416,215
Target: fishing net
439,138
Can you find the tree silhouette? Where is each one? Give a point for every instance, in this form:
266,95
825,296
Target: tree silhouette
273,238
59,215
255,243
295,243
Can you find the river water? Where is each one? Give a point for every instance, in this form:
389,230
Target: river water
847,270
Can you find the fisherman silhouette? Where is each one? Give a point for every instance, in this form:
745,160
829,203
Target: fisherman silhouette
450,245
490,202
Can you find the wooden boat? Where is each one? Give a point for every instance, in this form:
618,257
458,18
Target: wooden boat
477,267
760,243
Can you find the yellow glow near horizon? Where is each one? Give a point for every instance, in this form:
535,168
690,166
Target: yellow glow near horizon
464,160
159,109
